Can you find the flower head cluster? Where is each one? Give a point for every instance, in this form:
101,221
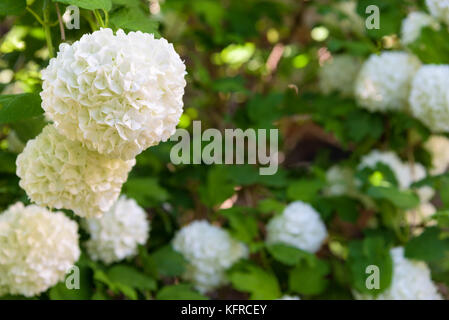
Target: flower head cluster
300,226
116,235
339,74
439,9
438,147
412,25
37,248
209,251
116,94
59,173
405,174
411,281
429,97
384,81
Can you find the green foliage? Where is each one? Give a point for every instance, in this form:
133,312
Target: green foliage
89,4
261,284
370,251
179,292
12,7
309,277
252,64
15,107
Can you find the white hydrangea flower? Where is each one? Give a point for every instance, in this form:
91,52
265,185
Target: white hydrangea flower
439,9
405,173
340,181
411,281
209,251
59,173
37,248
384,81
421,215
412,25
429,97
300,226
116,235
117,94
339,74
287,297
438,147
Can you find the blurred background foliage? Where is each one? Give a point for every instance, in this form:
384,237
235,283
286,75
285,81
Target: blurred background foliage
251,64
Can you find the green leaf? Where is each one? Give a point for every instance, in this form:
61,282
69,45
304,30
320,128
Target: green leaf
289,255
7,162
134,19
361,124
146,191
130,276
243,224
432,46
218,187
309,279
428,246
15,107
168,262
404,199
304,190
12,7
179,292
89,4
261,284
61,292
371,251
270,205
227,85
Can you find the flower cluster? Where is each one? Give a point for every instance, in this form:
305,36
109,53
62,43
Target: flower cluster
333,79
37,248
209,251
60,173
384,81
438,147
411,281
116,235
405,174
117,94
412,25
299,225
439,9
429,98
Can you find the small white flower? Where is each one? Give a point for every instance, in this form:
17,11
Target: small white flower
412,25
384,81
59,173
300,226
429,98
405,174
438,147
116,235
209,251
439,9
339,74
117,94
411,281
37,248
